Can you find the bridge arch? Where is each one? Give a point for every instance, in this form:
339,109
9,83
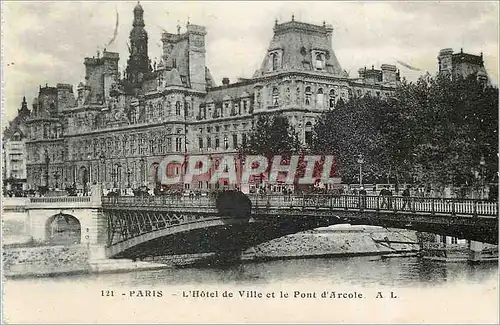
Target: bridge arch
63,229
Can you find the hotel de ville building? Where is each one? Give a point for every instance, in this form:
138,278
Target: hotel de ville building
118,126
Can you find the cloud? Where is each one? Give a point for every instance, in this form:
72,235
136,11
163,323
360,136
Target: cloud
48,41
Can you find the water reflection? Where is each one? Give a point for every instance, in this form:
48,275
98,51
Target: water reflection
401,272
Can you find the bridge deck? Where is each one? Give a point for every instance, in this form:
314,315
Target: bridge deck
410,205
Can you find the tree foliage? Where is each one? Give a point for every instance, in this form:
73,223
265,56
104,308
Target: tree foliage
434,130
272,135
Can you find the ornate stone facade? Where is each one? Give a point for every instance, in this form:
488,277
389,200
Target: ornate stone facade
14,150
117,130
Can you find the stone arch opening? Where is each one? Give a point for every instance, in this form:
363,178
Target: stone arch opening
63,229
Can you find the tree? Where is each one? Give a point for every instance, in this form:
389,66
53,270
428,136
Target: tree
273,135
452,123
435,129
361,127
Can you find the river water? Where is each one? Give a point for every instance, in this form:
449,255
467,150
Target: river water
366,270
467,283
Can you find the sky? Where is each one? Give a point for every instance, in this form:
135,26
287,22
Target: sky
46,42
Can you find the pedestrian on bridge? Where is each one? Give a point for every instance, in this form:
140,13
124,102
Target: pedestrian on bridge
362,198
406,197
384,193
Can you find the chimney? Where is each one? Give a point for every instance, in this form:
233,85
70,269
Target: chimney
225,81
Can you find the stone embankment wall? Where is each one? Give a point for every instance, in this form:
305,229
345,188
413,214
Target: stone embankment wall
45,260
335,243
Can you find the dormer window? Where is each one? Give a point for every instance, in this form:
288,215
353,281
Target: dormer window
319,62
275,60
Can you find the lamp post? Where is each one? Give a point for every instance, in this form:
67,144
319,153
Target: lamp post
101,161
142,161
155,176
56,177
47,161
482,164
361,161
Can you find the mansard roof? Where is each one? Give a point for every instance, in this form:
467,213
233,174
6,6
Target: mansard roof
297,41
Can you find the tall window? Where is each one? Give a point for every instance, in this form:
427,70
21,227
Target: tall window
177,108
308,95
243,139
178,144
209,142
308,133
275,97
200,142
217,143
226,142
331,99
319,97
235,140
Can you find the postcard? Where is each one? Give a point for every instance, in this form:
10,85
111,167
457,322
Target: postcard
249,162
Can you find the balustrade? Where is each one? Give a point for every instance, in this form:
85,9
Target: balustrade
61,199
319,201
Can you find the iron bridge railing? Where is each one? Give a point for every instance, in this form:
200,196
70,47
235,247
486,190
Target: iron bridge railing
463,207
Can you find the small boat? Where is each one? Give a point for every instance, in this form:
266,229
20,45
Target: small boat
399,255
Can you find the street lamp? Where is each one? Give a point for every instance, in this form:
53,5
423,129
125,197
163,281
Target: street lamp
482,164
155,176
361,161
142,161
47,161
102,160
56,177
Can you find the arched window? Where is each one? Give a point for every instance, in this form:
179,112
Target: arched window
331,100
308,133
320,98
297,96
319,62
177,108
308,95
275,97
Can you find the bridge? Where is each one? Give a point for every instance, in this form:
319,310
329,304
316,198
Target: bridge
181,225
162,225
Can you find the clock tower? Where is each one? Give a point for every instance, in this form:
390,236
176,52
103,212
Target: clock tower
138,63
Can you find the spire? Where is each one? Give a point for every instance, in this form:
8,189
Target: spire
138,62
24,106
138,15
